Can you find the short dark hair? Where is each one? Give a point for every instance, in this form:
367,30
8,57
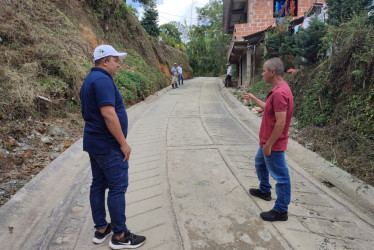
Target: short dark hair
99,61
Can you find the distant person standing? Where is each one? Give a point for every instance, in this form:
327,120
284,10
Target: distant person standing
228,75
104,139
180,74
273,137
174,75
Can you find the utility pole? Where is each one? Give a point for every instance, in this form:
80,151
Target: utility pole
191,14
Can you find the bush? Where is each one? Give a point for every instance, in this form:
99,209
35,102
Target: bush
308,43
303,48
342,86
130,85
341,11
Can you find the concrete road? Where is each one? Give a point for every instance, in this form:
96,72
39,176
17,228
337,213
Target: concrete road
190,170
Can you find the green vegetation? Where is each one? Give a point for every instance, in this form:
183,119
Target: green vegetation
130,84
299,49
137,82
206,48
341,11
334,99
170,33
150,18
343,83
44,60
260,88
334,90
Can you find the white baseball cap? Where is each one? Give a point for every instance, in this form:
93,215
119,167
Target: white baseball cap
107,50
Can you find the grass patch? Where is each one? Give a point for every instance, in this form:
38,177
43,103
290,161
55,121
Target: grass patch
260,88
131,86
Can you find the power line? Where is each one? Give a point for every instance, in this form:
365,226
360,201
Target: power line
177,15
166,19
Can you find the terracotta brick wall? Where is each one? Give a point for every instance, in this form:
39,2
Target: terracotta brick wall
260,16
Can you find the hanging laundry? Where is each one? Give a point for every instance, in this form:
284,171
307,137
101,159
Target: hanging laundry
281,10
292,7
286,8
306,22
291,29
296,29
324,13
276,7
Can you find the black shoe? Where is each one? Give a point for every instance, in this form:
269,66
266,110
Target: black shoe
257,192
100,237
274,216
130,240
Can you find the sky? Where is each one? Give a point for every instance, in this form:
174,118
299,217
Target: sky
175,10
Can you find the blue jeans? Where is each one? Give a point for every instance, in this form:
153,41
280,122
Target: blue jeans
179,79
276,165
109,171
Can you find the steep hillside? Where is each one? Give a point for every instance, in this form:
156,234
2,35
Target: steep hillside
46,50
45,53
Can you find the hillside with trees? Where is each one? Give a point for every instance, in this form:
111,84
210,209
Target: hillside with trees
204,43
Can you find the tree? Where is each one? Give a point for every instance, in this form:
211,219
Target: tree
280,42
208,46
303,48
171,35
150,18
170,30
340,11
308,43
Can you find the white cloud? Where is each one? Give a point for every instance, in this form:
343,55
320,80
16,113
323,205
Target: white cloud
173,10
180,11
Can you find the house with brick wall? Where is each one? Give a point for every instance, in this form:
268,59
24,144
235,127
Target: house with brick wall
247,21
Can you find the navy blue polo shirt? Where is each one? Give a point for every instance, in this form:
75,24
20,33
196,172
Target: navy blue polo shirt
98,90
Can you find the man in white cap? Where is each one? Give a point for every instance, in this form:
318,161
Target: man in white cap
104,139
174,75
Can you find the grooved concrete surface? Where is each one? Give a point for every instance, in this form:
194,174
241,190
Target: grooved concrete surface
191,166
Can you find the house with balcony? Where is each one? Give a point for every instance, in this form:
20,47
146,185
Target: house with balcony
247,21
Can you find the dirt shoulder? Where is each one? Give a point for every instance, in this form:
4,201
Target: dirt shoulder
28,146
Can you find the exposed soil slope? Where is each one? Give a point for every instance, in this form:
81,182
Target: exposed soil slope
45,52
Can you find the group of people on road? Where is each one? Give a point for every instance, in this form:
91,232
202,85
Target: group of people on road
106,126
176,73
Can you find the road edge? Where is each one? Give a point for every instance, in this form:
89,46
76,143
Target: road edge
354,193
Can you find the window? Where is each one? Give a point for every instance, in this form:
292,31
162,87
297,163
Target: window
284,8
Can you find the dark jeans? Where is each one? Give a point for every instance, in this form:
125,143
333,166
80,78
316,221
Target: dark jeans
228,81
275,164
109,171
179,79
